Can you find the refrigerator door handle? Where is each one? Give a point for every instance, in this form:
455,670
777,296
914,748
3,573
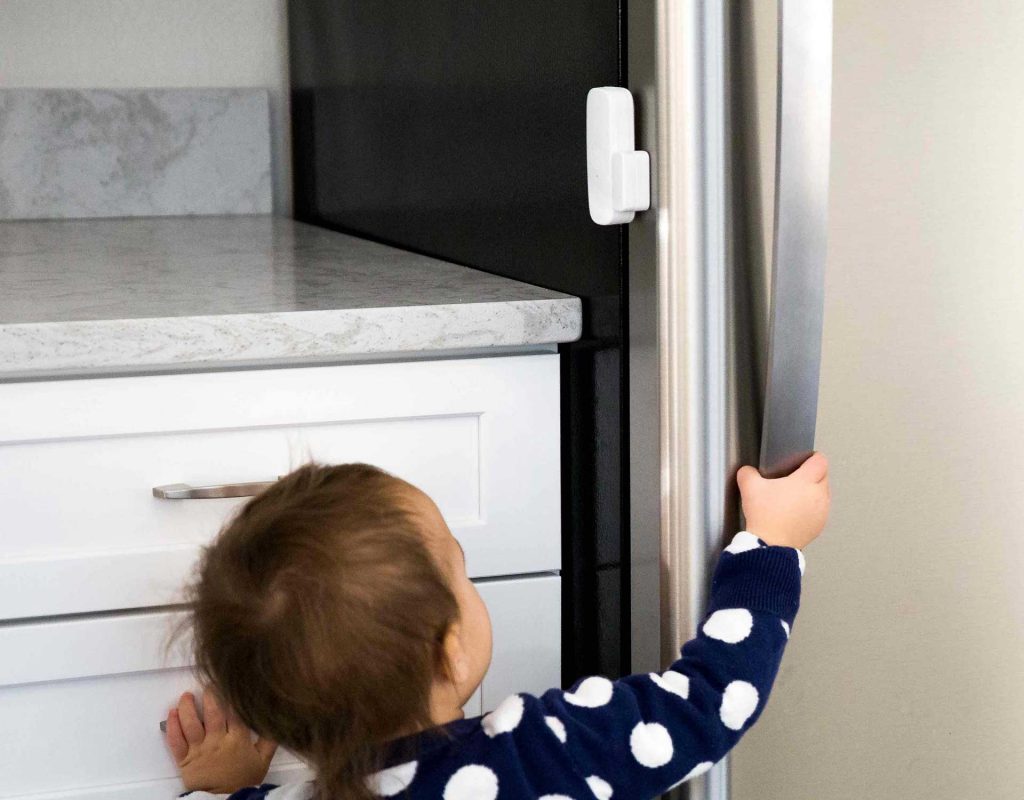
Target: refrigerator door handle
801,216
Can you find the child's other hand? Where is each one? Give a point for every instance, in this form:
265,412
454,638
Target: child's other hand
217,754
788,511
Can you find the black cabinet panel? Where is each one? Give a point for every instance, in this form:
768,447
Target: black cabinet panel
457,129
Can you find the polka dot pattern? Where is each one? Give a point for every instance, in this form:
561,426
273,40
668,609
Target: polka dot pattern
625,726
591,693
730,625
557,728
393,780
472,782
600,787
742,542
651,744
801,561
739,702
674,682
505,718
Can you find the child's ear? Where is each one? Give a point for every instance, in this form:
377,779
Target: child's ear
454,655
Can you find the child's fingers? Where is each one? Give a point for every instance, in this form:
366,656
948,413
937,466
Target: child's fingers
814,469
745,476
175,736
190,724
266,748
232,719
213,716
235,722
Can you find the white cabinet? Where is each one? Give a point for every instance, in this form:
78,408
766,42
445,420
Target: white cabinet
86,549
81,704
79,459
526,616
82,698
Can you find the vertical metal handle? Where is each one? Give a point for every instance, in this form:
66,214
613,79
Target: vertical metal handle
801,215
802,143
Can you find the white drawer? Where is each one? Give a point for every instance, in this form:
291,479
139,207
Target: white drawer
78,460
526,617
81,699
81,707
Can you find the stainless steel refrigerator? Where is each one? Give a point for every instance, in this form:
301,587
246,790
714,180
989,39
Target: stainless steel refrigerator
732,345
458,130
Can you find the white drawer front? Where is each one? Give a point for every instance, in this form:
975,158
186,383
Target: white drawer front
81,707
526,617
81,699
79,459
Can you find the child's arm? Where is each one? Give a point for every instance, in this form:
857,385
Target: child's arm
218,753
638,736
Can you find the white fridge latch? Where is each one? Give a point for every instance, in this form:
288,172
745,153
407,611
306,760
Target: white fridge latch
618,177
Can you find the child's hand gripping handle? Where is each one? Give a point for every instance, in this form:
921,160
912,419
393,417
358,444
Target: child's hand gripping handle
788,511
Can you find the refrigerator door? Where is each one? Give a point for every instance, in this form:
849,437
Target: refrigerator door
697,303
903,676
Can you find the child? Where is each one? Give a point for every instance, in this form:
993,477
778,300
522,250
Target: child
334,616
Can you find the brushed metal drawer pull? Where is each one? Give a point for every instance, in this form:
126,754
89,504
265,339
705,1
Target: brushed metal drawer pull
182,491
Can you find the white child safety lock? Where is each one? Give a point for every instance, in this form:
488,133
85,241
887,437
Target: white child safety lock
618,177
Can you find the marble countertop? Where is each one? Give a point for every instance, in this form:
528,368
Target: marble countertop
122,295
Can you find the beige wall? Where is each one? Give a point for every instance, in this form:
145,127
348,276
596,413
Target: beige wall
153,43
905,673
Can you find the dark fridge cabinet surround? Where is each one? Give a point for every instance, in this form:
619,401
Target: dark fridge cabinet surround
457,130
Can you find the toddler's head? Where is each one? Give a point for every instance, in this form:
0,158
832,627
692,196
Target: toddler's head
334,613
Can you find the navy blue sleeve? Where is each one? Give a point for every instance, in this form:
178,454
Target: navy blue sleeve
248,793
646,733
253,792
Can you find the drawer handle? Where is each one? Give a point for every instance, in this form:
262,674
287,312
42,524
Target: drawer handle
182,491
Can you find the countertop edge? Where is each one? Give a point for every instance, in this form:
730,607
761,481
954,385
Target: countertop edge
202,342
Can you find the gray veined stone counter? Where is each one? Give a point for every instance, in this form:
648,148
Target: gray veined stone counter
133,152
128,295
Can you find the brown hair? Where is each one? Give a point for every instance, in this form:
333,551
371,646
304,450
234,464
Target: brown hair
318,614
